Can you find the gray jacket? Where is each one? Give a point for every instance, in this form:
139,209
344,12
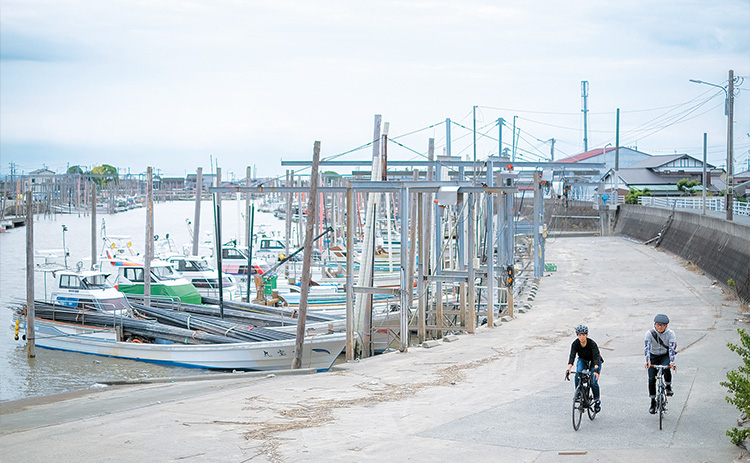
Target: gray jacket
654,347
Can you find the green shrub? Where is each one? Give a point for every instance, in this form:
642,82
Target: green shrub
738,383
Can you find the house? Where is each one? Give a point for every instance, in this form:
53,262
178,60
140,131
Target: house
42,175
609,156
660,174
742,184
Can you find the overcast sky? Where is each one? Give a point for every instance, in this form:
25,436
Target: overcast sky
174,84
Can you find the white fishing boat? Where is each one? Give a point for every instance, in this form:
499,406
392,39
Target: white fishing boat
87,315
205,279
319,351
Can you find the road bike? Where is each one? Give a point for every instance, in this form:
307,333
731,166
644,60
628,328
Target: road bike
583,398
661,393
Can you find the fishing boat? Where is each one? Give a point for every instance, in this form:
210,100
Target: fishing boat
87,289
205,279
129,278
87,316
319,351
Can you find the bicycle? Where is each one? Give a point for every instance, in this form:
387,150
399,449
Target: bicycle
661,393
583,398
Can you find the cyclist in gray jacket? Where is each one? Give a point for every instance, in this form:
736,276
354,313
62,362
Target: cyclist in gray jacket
661,347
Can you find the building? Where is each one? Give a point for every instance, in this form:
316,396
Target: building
586,188
660,174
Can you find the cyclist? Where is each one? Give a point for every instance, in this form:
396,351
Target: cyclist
661,347
589,358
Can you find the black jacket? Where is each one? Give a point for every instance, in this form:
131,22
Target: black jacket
588,353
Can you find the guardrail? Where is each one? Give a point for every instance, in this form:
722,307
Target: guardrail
690,202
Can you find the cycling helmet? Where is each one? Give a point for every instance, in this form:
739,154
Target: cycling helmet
582,329
661,318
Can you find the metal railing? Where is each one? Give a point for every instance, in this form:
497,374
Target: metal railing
715,203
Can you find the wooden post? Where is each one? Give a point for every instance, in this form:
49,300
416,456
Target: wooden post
288,216
197,216
349,273
30,313
149,236
312,205
93,227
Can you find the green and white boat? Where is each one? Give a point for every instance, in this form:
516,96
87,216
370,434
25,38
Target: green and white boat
128,278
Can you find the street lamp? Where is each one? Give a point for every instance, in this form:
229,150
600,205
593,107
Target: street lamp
729,112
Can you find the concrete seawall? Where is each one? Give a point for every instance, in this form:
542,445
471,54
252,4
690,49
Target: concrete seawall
718,247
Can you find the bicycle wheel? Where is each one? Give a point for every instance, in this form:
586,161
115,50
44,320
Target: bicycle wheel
660,403
590,409
577,408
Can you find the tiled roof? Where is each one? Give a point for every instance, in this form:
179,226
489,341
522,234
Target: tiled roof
586,155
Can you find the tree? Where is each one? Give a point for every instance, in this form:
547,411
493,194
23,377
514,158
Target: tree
75,170
633,195
685,186
739,385
104,174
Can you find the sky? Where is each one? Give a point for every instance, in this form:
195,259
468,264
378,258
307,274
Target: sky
180,84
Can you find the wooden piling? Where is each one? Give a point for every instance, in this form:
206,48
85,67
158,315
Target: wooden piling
197,216
149,236
93,227
312,206
30,313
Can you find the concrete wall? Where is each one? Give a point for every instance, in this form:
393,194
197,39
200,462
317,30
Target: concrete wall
718,247
562,216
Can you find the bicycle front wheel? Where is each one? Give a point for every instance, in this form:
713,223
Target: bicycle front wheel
590,409
577,408
662,408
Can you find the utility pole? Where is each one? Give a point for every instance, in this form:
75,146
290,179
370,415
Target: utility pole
513,151
585,96
617,159
552,151
730,145
474,167
705,141
500,123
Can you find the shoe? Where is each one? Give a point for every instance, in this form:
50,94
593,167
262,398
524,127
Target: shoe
669,390
652,410
597,406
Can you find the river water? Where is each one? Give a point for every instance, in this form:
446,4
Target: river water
53,372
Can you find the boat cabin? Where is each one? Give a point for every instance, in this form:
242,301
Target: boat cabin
88,290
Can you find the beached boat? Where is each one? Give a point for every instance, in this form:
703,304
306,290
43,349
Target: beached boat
88,316
319,352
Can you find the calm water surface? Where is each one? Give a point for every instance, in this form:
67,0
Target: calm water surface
53,372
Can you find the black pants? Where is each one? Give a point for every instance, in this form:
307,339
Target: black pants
658,360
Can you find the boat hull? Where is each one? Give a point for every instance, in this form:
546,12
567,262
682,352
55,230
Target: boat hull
319,352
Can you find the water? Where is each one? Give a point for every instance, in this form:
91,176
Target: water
53,372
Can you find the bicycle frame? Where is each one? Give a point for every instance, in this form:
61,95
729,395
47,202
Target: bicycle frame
583,398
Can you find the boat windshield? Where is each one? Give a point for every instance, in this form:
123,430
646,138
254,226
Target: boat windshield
96,282
118,303
187,265
164,272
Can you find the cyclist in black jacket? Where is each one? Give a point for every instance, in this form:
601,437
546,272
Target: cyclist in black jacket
589,358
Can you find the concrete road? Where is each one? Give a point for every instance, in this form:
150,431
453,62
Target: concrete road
498,395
